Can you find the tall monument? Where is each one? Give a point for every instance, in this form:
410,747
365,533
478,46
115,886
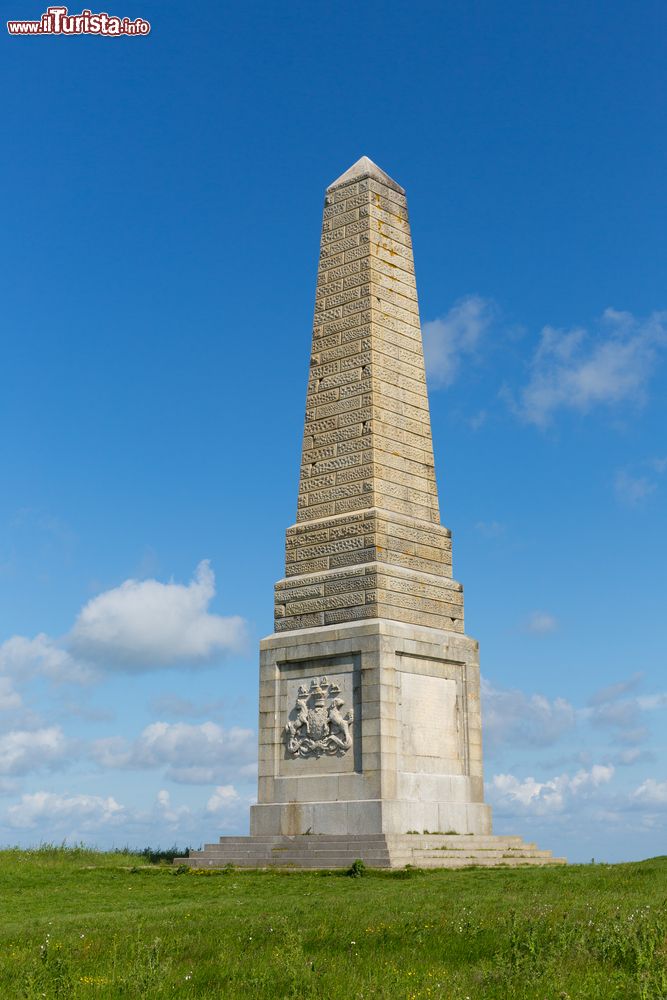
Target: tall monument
369,728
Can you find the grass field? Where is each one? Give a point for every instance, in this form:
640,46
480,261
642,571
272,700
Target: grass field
77,923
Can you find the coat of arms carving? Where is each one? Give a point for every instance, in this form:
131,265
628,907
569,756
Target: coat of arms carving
316,725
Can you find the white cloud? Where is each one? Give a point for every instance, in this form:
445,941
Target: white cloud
632,490
89,812
477,420
490,529
541,623
42,656
647,702
633,487
137,627
651,793
621,715
611,708
632,756
174,815
27,750
222,798
145,624
552,796
514,718
452,337
571,370
103,820
614,691
9,698
192,754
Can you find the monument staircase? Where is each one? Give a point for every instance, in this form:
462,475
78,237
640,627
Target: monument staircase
379,850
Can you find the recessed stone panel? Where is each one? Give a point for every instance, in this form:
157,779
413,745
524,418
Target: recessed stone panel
319,724
432,710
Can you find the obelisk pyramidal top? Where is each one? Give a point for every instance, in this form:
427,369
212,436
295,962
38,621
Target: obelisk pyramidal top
368,541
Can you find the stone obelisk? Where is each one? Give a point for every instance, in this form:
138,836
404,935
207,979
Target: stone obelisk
370,728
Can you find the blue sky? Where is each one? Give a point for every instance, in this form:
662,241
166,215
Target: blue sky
161,220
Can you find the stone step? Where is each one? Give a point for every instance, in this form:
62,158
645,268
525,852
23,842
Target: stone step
277,855
345,862
323,860
455,836
299,865
295,853
488,851
307,838
461,841
437,860
474,862
476,837
278,851
413,841
488,862
306,848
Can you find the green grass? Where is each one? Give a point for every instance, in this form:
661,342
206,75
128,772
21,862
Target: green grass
76,923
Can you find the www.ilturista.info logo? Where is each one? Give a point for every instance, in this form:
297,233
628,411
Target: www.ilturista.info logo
57,21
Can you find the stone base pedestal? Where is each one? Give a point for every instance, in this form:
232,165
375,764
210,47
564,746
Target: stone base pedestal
414,754
404,787
368,816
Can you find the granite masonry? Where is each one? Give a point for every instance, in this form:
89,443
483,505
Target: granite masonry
369,726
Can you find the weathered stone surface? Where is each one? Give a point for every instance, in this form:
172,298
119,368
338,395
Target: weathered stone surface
325,851
370,721
379,668
367,362
416,584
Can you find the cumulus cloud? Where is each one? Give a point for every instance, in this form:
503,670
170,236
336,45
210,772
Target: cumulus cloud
458,334
89,812
517,719
651,793
42,656
574,370
145,624
613,691
27,750
47,815
192,754
137,627
632,756
648,702
551,796
541,623
9,698
174,815
622,716
223,797
616,709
